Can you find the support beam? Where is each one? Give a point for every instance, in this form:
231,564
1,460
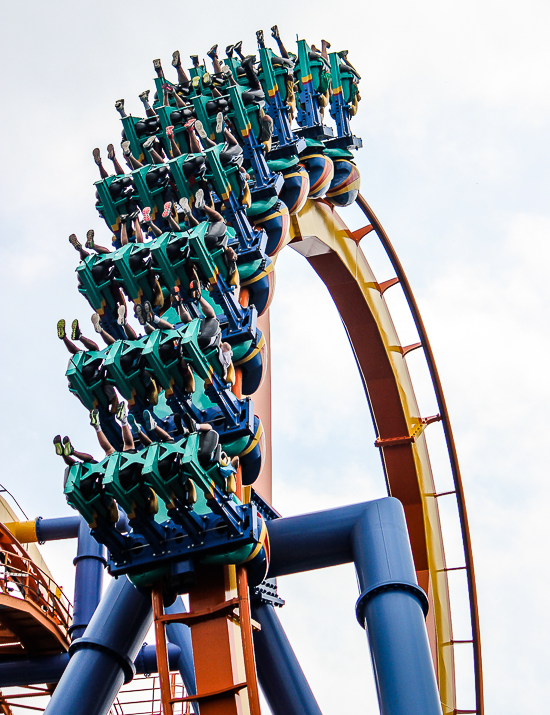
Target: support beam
180,635
312,541
282,680
102,661
50,668
392,609
90,562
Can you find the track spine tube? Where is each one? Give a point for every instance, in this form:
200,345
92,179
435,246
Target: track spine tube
103,659
392,609
449,438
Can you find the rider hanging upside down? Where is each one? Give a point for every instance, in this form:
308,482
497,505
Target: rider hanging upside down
210,332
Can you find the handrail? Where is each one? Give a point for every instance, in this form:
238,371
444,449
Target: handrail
451,447
35,585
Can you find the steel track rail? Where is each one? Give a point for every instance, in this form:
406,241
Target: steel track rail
449,439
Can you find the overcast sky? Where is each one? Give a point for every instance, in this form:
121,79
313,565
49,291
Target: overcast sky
454,118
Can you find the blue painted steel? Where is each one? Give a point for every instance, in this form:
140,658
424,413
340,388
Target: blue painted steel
103,659
65,527
391,605
90,563
281,678
312,541
146,661
50,668
392,608
180,635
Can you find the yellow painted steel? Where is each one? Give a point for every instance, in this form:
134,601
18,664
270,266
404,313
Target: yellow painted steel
317,222
24,531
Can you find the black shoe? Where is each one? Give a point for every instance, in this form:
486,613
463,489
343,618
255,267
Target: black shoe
260,38
189,422
212,52
275,33
237,47
181,428
75,330
195,60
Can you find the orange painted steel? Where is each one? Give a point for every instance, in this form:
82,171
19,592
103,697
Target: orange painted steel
449,438
245,618
36,620
331,248
162,651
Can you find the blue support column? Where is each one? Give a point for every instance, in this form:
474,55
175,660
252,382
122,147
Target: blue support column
392,609
89,564
281,678
102,661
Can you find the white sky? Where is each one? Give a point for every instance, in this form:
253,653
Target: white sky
455,123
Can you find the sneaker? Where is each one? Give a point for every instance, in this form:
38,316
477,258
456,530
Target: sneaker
219,122
176,59
67,447
195,82
226,70
229,51
260,37
121,315
181,428
57,444
94,417
189,422
126,148
199,199
195,290
122,412
97,156
168,88
140,314
157,66
184,203
90,235
75,330
147,214
166,210
237,47
195,60
212,52
148,310
61,329
96,322
133,425
189,124
119,106
144,96
148,420
176,297
170,132
75,243
200,129
110,152
148,143
275,33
